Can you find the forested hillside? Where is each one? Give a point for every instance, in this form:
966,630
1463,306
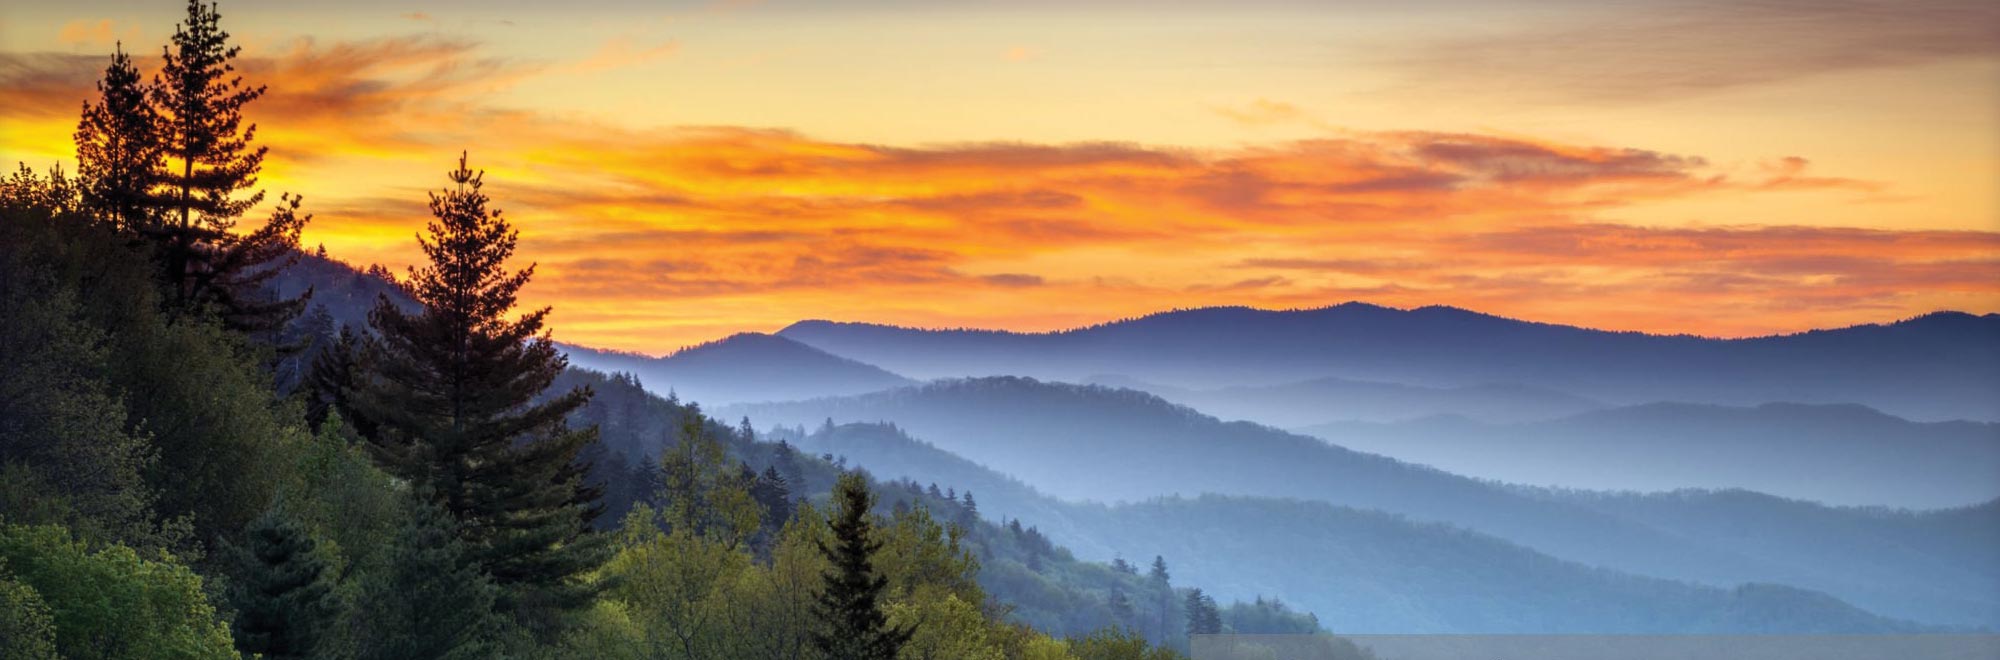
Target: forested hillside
1121,445
201,462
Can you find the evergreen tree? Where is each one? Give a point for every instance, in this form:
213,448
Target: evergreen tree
284,590
448,400
1203,617
430,601
334,374
118,148
971,511
853,625
1162,582
208,161
774,494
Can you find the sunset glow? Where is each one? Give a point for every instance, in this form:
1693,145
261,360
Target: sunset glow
739,166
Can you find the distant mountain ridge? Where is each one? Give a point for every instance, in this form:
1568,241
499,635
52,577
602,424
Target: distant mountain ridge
1938,366
1322,400
1360,571
1843,454
745,367
1089,442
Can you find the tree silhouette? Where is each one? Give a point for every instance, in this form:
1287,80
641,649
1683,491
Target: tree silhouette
853,626
208,162
118,150
448,400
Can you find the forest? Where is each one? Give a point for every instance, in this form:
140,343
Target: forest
217,444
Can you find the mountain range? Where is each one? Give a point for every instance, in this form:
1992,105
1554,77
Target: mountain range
1939,366
1836,454
746,367
1360,571
1109,445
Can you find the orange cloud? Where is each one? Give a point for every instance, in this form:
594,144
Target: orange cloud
102,32
653,239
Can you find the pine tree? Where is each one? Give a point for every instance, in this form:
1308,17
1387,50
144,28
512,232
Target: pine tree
1163,583
118,149
207,162
971,514
430,601
284,590
853,626
1203,617
448,400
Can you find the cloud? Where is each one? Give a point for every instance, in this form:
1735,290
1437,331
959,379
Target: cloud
101,32
648,238
1019,54
1666,49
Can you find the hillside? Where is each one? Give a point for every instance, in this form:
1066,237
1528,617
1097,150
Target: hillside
1361,571
1321,400
1095,443
745,367
1843,455
1939,366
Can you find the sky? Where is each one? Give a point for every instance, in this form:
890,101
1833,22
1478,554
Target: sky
684,171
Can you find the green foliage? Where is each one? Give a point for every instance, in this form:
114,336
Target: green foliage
852,624
110,603
429,600
703,493
1114,644
65,452
283,591
27,628
353,507
447,401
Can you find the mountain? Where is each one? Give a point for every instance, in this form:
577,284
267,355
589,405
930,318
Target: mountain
1939,366
1096,443
1339,399
1838,454
745,367
1360,571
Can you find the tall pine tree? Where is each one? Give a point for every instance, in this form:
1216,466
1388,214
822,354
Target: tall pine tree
852,625
284,589
430,601
450,399
118,150
208,163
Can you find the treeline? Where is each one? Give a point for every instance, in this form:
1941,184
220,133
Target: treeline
189,469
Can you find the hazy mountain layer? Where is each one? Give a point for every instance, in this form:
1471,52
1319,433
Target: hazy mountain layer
1322,400
1846,455
746,367
1359,571
1095,443
1939,366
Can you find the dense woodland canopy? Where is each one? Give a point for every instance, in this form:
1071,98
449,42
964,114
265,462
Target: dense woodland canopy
200,458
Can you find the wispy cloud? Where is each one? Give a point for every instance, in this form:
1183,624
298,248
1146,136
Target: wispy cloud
1664,49
651,238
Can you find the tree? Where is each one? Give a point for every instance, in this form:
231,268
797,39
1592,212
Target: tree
774,494
1203,618
853,625
430,601
1162,583
110,602
449,401
702,492
118,150
208,161
283,591
27,628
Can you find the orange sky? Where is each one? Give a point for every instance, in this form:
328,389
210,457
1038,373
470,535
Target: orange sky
682,173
